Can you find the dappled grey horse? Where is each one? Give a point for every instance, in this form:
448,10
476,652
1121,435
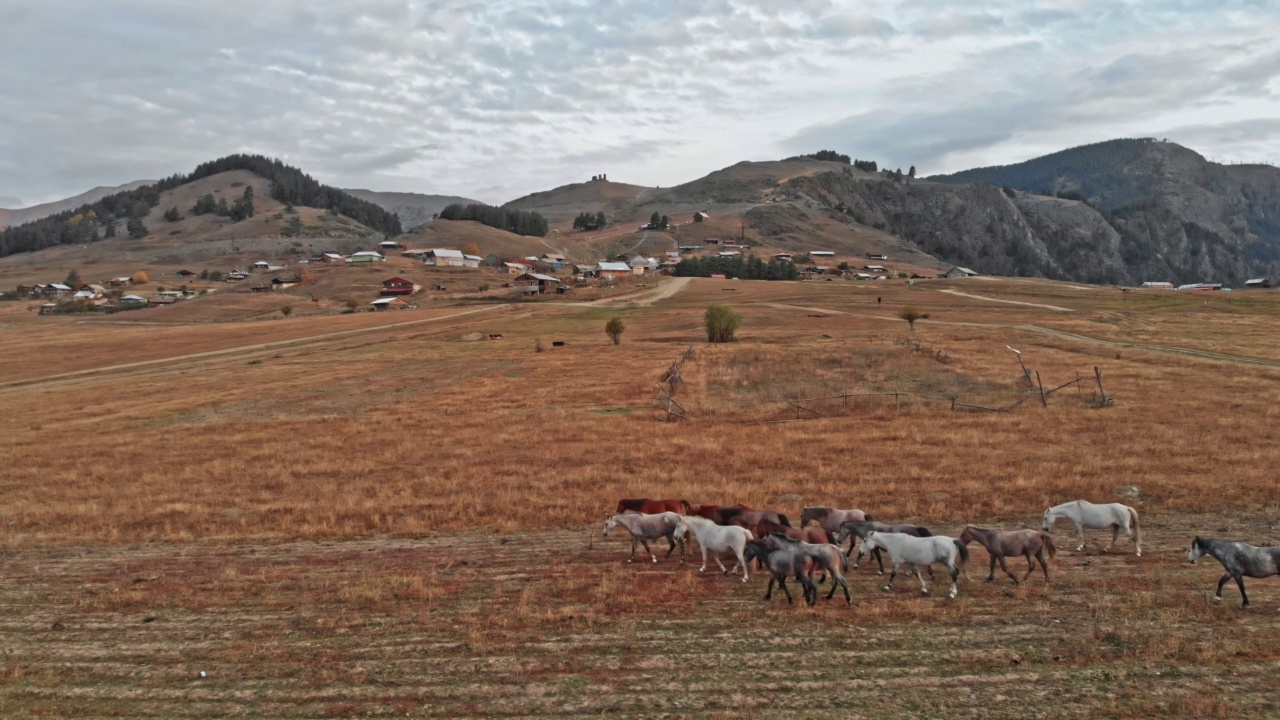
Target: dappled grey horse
781,565
1239,559
644,528
824,556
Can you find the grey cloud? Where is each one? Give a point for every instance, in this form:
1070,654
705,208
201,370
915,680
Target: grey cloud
496,99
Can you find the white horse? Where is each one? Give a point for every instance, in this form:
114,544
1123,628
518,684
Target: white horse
644,528
918,552
1085,514
717,539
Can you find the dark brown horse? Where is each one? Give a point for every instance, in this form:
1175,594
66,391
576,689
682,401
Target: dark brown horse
1001,544
646,506
726,516
710,512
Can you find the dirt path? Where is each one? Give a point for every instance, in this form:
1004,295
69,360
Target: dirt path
243,348
1007,302
1168,349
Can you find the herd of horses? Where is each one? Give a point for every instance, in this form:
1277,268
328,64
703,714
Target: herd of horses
813,547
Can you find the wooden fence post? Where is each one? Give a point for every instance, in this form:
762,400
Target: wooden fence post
1043,400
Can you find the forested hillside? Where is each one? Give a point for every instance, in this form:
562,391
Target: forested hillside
125,211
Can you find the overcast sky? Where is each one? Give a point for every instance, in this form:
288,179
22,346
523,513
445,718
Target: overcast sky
493,100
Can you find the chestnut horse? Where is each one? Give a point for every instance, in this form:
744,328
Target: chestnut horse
645,506
710,512
1001,544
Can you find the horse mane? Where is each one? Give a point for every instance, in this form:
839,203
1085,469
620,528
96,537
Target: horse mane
781,536
868,518
630,504
924,531
783,520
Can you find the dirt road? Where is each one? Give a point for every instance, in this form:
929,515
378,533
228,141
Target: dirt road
1169,349
1007,302
245,348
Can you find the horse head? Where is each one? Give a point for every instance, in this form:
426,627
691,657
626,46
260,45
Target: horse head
1048,520
968,535
1196,551
870,541
682,528
610,522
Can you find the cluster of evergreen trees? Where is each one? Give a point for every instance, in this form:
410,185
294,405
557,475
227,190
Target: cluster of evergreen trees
748,268
288,185
828,155
516,221
866,165
241,210
658,221
587,221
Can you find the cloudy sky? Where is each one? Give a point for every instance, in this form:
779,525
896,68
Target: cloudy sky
495,99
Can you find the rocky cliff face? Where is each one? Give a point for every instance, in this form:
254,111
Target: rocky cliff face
1178,216
980,226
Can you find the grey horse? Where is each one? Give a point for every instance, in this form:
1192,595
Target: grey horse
781,565
823,556
1239,559
644,528
860,529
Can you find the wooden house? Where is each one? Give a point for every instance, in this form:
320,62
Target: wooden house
396,286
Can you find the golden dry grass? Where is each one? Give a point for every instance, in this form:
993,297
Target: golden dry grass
408,451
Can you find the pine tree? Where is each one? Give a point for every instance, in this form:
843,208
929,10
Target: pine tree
172,214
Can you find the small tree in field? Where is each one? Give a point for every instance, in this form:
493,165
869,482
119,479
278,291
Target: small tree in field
911,315
140,277
721,323
614,329
352,303
287,310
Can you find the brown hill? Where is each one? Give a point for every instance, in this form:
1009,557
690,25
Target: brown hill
414,209
198,242
561,205
464,233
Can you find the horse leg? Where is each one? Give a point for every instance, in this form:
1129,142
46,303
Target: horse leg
1115,535
633,549
844,585
704,557
1044,565
879,560
1007,571
924,589
723,569
1031,565
1223,581
1080,533
991,576
954,572
782,583
647,549
671,547
1244,599
768,595
743,562
810,590
893,573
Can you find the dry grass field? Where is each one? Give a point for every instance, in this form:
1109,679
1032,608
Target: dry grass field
398,521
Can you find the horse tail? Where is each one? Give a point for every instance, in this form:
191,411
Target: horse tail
867,518
783,520
964,551
1137,529
1048,544
924,531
